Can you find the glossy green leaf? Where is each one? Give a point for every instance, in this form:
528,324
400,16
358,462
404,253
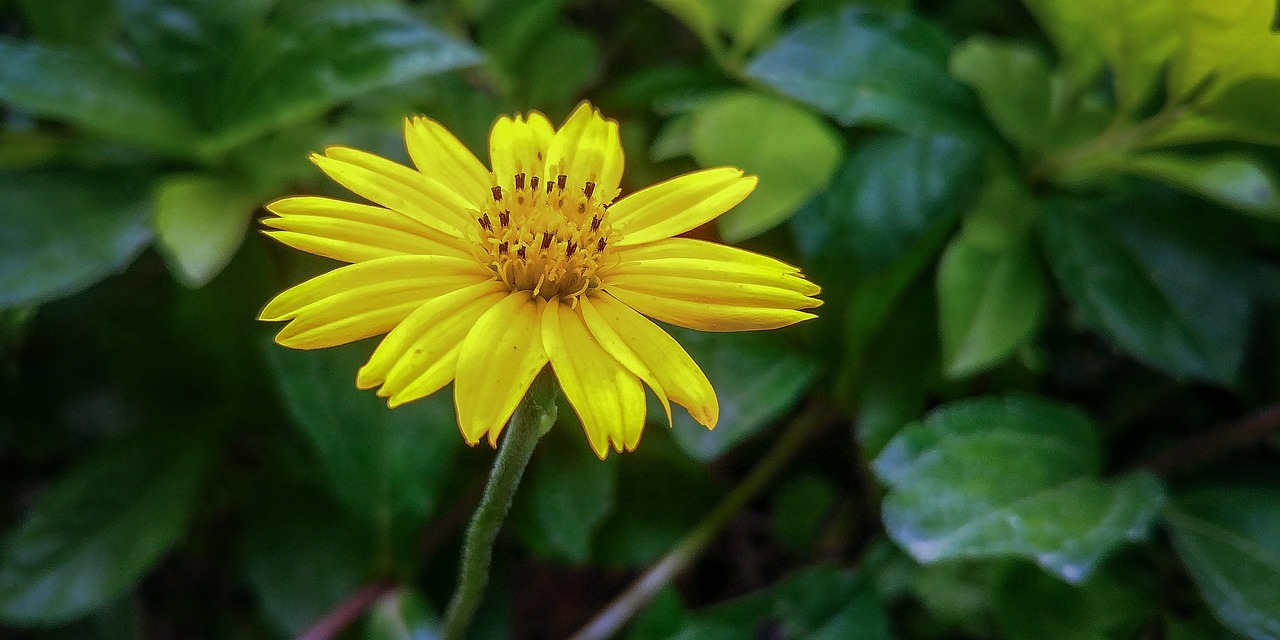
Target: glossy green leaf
1013,84
200,221
817,603
866,68
757,380
990,301
1237,181
1135,38
74,22
792,151
1032,605
1224,43
566,494
1229,540
65,230
296,71
93,91
387,467
402,614
661,618
302,556
97,530
1245,111
1165,293
575,56
894,368
1010,477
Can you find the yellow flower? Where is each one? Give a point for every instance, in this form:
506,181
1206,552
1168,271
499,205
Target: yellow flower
482,278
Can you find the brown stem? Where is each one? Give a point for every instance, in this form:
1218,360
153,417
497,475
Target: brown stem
346,612
1202,448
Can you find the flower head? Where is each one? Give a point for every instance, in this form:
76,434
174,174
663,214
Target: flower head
481,278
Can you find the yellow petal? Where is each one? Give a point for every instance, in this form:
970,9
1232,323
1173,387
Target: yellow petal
679,375
519,146
702,287
499,358
703,250
356,212
439,154
396,187
351,241
418,339
677,205
617,346
588,149
607,398
407,272
705,316
432,362
713,275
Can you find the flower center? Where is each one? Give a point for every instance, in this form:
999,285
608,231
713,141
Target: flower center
545,238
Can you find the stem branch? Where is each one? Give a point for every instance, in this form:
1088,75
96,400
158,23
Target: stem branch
531,420
1205,447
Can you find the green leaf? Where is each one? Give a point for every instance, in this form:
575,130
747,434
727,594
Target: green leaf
1229,540
97,530
573,53
1010,477
72,22
1031,605
92,91
200,221
302,556
66,230
1238,181
1245,111
296,71
865,68
798,509
894,368
661,618
816,603
387,467
403,614
1013,83
990,301
792,150
1165,292
1135,37
1224,43
567,494
756,379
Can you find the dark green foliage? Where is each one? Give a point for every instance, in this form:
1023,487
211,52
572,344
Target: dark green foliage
1043,379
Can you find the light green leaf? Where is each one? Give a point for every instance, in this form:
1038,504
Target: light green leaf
1246,111
1135,37
866,68
94,533
756,378
793,151
65,230
1010,477
1012,82
567,494
1237,181
403,614
1229,540
297,71
200,221
816,603
387,467
1168,295
1225,43
989,302
92,91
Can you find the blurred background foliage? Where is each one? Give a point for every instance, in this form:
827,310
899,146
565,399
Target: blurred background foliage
1042,391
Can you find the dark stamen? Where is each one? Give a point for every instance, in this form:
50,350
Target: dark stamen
560,179
589,189
484,222
504,218
550,186
546,239
533,183
568,252
497,194
595,223
520,180
520,252
502,248
582,207
600,245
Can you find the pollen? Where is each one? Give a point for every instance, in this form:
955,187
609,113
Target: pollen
552,241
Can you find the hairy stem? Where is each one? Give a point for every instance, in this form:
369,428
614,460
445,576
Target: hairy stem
531,420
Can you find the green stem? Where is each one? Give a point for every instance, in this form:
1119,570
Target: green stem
630,602
531,420
1115,140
